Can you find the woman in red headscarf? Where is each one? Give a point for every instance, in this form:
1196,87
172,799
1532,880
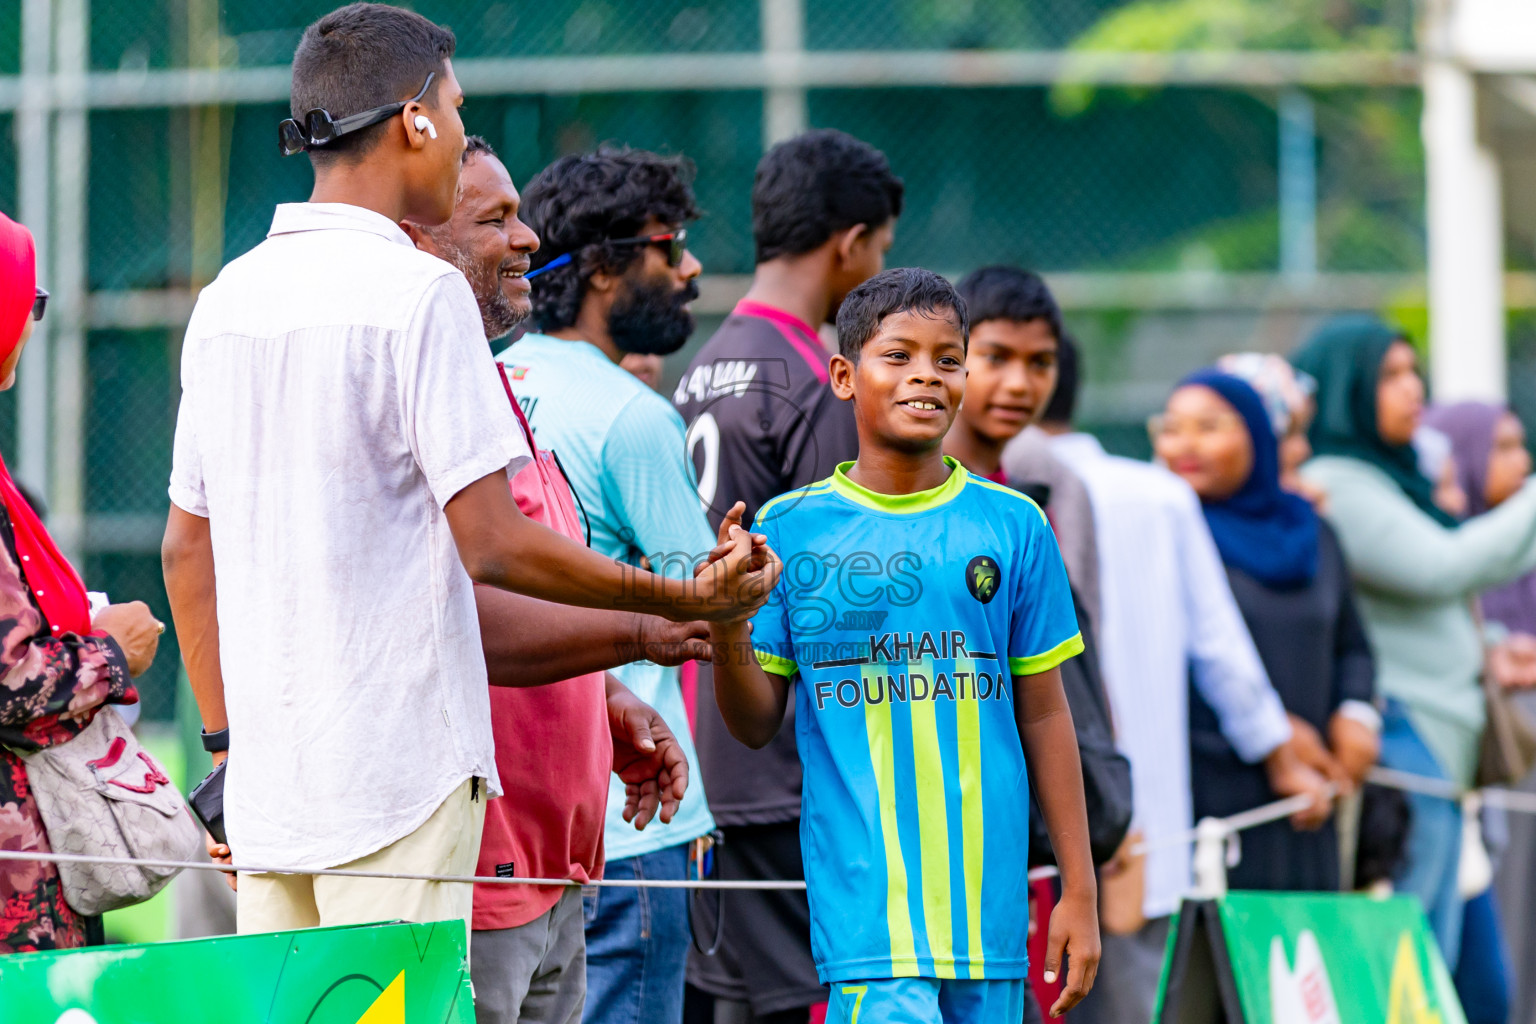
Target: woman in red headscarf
57,665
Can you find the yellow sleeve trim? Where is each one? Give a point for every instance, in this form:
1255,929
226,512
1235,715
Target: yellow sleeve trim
783,666
1037,663
1019,495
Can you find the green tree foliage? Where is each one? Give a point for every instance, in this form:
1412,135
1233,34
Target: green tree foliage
1370,175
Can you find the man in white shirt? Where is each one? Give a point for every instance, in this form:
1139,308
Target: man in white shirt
1167,615
341,460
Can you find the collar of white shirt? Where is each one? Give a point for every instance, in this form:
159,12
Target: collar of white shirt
294,217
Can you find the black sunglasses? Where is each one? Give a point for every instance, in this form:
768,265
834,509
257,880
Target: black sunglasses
319,128
39,304
675,241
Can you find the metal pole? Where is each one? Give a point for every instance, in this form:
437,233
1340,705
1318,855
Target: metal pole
33,159
207,129
784,106
71,156
810,69
1298,185
1466,229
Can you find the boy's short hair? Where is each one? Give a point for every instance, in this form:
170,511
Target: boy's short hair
1009,293
363,56
580,201
816,184
901,290
1063,403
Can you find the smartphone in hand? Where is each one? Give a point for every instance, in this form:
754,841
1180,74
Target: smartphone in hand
207,803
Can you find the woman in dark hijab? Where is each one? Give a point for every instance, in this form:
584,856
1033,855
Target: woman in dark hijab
1415,573
1288,576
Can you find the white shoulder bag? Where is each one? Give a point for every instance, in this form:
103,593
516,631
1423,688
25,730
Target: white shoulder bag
101,793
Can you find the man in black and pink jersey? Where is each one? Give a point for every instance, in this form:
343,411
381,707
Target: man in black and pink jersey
763,420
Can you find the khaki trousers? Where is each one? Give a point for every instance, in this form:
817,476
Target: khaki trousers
448,843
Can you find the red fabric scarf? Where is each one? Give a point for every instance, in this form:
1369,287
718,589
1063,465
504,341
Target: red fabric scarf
53,580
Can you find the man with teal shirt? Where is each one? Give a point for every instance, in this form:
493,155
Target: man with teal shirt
619,278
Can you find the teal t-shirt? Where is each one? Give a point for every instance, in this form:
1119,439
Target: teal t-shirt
904,620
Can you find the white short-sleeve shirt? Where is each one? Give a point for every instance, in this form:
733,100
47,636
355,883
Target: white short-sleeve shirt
337,391
1167,616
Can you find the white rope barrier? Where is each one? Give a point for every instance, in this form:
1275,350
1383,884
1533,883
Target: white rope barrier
230,869
1388,778
1493,796
1214,833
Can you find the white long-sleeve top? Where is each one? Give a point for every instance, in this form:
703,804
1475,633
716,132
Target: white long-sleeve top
1167,613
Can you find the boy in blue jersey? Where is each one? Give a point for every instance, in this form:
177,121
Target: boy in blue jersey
923,612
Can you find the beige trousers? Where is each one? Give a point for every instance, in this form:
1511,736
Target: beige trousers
448,843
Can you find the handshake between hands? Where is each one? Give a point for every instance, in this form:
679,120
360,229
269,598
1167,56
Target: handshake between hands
646,755
742,567
736,579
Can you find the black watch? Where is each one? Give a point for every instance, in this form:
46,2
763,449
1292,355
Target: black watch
216,742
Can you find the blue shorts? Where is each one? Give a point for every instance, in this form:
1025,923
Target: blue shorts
927,1001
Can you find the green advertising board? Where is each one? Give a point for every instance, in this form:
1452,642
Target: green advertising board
367,974
1292,958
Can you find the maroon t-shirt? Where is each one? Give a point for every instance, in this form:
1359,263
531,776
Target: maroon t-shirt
554,753
762,420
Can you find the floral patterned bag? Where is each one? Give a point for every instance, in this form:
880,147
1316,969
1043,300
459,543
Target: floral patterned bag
101,793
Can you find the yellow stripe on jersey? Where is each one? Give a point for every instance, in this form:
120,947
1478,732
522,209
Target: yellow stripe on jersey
1005,489
1036,663
882,756
968,735
775,664
932,828
796,496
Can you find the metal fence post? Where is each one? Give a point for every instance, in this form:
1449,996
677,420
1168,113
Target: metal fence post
71,154
784,107
1298,185
1210,861
34,143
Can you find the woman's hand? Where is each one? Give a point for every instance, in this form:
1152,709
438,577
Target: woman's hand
1355,745
136,631
1512,664
1289,775
1314,753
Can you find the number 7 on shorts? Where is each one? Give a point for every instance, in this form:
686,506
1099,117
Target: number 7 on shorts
857,991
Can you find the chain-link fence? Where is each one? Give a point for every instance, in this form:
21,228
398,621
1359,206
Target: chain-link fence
1156,201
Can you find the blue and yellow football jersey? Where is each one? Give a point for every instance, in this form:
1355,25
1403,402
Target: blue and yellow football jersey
904,619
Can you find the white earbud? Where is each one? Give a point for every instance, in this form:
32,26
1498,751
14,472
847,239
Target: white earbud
424,124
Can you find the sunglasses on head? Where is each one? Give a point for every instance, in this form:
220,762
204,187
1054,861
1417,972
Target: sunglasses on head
319,128
675,241
39,304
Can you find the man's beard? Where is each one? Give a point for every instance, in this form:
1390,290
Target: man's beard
651,319
497,312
